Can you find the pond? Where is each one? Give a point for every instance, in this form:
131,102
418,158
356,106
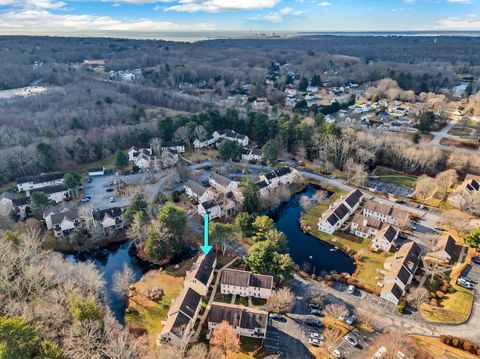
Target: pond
312,255
112,258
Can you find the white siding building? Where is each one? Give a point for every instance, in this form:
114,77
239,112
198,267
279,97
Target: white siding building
246,284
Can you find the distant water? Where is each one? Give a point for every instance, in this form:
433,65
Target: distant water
195,36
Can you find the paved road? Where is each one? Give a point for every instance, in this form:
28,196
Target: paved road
443,133
385,316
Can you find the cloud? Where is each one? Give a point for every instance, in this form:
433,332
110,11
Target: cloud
43,20
221,5
325,3
278,16
33,4
461,1
470,22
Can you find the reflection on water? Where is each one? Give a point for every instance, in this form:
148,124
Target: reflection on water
311,254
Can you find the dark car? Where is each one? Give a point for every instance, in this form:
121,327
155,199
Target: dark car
476,260
314,323
109,189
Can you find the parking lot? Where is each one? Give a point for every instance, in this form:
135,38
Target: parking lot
472,273
382,187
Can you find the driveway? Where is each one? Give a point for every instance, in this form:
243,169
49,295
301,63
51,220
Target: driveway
443,133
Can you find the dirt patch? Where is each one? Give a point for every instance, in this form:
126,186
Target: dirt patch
453,142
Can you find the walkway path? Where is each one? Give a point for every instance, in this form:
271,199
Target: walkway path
212,297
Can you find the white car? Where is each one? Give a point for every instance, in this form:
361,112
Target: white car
351,319
112,199
379,353
315,335
350,340
351,289
335,352
315,342
342,318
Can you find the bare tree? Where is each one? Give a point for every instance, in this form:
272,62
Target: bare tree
197,351
122,281
457,220
336,310
432,268
331,338
281,301
85,214
424,188
200,133
366,314
417,296
444,181
394,342
224,340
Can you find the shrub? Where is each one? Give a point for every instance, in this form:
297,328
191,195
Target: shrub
401,309
442,338
176,196
467,346
455,342
443,288
451,290
433,302
440,294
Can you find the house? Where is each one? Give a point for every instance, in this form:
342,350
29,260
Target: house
21,207
6,204
444,249
246,284
260,102
25,184
353,200
55,194
464,193
263,188
200,276
284,175
133,153
384,239
97,171
197,191
254,154
212,208
206,143
63,220
290,101
247,322
141,157
386,213
181,318
222,184
110,218
179,147
169,158
231,135
399,271
332,219
365,227
312,89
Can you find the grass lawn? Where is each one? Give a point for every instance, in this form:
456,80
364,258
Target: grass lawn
368,267
223,298
145,314
223,260
337,324
439,350
403,181
258,301
243,301
454,309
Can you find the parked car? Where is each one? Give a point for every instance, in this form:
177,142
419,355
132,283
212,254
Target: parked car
89,180
476,260
335,352
109,189
379,353
316,312
314,323
112,199
462,282
350,340
316,335
85,199
342,318
441,229
351,289
275,316
351,319
314,342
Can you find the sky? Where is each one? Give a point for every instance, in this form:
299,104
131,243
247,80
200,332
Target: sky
135,16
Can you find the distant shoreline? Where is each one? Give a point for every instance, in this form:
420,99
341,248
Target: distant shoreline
191,37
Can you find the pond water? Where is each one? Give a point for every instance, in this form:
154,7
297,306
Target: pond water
311,254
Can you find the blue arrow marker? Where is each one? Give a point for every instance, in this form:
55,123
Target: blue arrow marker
206,247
